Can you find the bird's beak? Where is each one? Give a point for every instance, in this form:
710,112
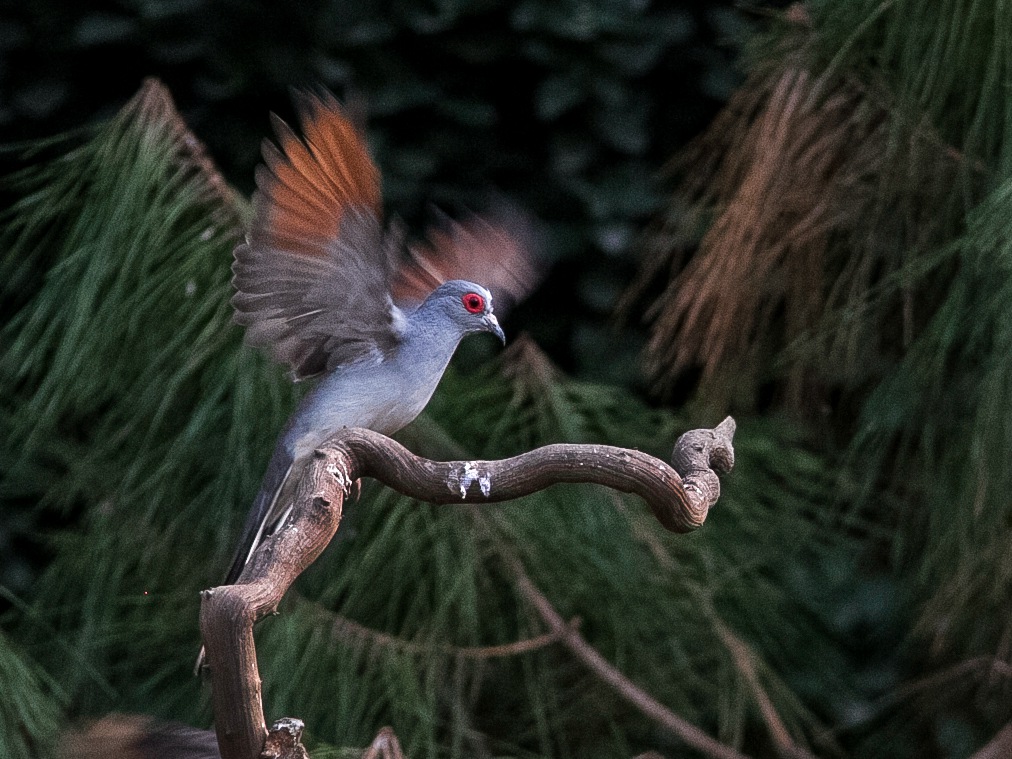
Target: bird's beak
492,325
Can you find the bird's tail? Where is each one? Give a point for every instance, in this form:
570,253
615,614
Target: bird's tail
268,511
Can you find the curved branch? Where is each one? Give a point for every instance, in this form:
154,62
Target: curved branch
679,499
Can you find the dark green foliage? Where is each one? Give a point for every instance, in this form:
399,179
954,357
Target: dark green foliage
943,415
132,410
30,711
115,366
946,71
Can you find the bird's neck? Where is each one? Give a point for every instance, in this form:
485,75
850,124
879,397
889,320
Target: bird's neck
430,339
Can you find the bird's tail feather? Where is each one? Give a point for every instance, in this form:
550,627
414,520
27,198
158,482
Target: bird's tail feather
267,511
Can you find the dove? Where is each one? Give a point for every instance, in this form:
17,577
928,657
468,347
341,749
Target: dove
335,294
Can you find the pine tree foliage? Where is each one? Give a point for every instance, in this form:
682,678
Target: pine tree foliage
946,410
840,242
121,394
132,411
804,193
30,710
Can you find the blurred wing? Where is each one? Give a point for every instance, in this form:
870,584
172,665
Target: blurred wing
496,252
312,279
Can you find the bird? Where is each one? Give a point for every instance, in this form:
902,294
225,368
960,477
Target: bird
335,294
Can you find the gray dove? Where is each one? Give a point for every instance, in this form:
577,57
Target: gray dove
332,293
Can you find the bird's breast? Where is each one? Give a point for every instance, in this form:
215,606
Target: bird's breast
383,397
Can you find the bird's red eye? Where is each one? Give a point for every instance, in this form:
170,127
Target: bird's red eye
474,303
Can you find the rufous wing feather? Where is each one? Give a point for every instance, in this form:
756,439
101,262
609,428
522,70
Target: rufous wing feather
496,251
305,185
318,275
312,278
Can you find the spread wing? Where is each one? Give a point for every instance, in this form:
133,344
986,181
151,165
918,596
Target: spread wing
496,251
318,275
313,278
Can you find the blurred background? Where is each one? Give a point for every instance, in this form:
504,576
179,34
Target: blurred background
570,110
799,214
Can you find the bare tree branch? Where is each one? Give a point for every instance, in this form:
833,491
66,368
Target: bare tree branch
614,677
679,499
943,681
345,628
744,660
999,747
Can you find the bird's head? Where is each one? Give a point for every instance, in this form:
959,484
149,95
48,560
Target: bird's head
467,305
